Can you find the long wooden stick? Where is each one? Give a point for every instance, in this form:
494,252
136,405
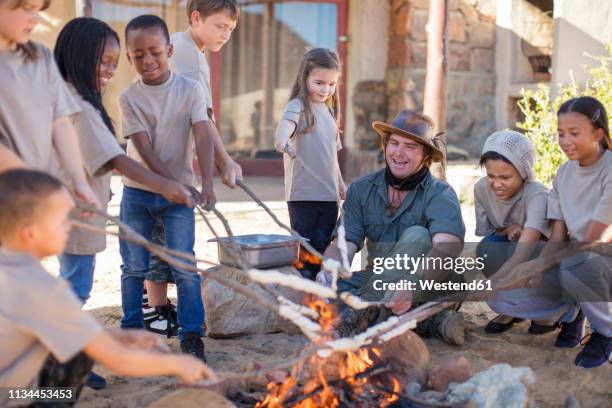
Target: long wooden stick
287,228
164,254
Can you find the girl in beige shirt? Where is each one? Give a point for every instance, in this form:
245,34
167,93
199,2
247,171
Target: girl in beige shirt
35,105
580,207
308,135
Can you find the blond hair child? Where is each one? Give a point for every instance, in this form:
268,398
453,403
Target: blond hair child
35,104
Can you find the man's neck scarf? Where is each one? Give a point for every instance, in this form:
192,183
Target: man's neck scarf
408,183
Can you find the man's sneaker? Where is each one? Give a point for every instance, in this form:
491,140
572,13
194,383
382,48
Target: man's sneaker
571,333
596,352
192,344
351,322
501,323
447,325
95,381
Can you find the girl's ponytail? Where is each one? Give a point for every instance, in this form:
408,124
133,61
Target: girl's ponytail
592,109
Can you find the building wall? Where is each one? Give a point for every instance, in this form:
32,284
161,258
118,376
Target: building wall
581,27
365,82
471,78
471,66
367,53
523,29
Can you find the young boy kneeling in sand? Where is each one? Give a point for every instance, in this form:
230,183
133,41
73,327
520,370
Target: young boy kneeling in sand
45,337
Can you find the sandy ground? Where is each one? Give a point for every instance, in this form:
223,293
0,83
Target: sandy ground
556,376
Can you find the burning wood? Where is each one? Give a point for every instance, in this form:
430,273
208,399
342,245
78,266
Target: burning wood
352,371
306,257
352,379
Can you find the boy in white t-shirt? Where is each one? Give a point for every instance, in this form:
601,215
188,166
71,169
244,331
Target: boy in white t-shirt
163,116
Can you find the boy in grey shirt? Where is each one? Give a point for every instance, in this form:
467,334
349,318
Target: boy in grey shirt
51,342
163,114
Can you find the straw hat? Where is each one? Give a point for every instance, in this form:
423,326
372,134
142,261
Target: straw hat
414,126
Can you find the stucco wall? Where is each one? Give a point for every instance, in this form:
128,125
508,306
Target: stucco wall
581,27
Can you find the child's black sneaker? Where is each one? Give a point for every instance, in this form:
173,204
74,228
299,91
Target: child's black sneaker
596,352
161,319
571,333
192,344
95,381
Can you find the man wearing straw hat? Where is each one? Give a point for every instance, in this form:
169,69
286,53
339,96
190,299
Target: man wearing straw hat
401,210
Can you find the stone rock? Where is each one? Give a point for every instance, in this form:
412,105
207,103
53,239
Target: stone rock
485,87
229,313
459,57
420,4
430,396
481,111
482,34
399,83
399,101
408,356
419,80
459,126
488,10
482,60
400,53
499,386
469,12
419,22
370,104
450,370
419,54
402,21
456,27
192,397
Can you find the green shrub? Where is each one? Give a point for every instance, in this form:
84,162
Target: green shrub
540,123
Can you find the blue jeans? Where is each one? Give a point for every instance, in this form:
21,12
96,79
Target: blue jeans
78,270
139,209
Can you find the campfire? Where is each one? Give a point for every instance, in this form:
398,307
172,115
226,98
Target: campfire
306,257
356,378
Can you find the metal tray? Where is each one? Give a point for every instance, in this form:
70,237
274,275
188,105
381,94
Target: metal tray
260,250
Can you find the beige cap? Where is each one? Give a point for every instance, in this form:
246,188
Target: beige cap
515,147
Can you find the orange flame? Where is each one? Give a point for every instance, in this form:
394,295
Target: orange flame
305,256
323,393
